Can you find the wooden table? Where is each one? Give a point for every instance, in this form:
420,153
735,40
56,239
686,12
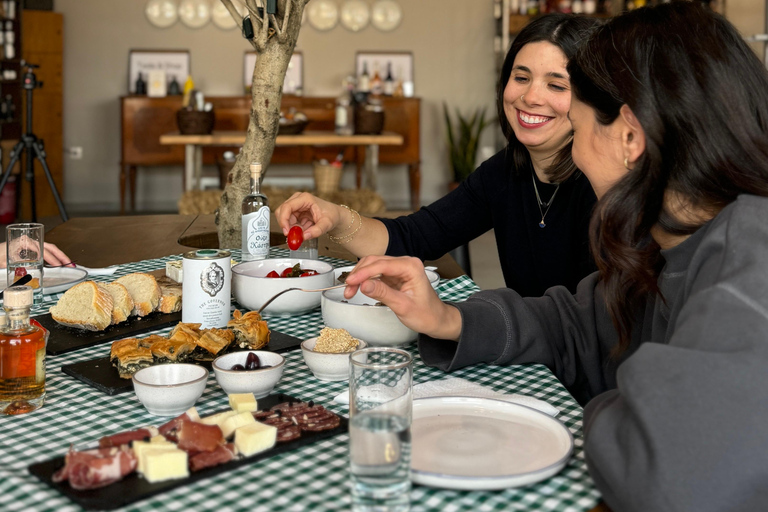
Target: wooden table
193,144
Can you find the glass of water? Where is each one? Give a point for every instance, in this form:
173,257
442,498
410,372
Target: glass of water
24,250
380,403
307,250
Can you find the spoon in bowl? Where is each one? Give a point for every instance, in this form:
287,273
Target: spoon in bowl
297,289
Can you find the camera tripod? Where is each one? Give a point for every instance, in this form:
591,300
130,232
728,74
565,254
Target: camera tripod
33,148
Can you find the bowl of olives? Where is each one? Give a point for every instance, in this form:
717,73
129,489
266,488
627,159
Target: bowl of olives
249,371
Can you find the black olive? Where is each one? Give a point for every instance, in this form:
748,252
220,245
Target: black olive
252,362
238,368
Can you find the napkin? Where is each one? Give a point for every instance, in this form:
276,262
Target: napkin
454,386
99,271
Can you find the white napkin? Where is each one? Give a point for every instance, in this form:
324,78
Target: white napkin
99,271
453,386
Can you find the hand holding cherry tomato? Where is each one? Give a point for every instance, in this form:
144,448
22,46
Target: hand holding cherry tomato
295,238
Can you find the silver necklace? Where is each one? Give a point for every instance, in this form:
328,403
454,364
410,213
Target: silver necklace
543,207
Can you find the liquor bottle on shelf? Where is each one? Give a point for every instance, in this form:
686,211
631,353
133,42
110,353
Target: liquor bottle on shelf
389,81
141,86
345,113
174,89
22,355
255,219
377,87
364,83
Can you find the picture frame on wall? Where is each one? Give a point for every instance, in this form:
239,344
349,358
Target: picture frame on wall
175,63
294,76
401,64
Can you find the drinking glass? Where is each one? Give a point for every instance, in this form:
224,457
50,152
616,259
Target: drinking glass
307,250
24,250
380,403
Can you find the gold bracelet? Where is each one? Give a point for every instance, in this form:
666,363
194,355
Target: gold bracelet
352,213
348,237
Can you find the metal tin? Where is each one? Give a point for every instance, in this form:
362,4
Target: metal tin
206,289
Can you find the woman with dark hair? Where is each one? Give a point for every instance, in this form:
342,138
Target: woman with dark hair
530,193
667,344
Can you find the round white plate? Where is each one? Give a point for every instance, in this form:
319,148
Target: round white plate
221,17
56,280
484,444
194,13
355,15
323,14
161,13
386,15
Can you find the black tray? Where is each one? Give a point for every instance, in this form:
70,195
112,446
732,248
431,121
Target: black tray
100,374
65,339
134,488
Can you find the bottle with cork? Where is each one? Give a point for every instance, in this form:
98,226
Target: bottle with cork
256,218
22,355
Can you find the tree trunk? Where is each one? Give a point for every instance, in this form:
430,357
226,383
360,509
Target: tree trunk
266,94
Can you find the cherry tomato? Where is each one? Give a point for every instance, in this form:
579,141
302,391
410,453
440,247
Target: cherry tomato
309,273
286,272
295,238
273,274
20,272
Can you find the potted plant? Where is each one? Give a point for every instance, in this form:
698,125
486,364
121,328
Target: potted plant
463,140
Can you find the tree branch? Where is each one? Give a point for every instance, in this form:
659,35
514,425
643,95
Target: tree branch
236,15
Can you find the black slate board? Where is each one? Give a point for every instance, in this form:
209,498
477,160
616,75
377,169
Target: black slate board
134,488
100,374
65,339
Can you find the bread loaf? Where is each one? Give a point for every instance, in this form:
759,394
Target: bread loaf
85,306
122,303
170,299
144,291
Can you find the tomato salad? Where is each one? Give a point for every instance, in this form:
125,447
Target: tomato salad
294,271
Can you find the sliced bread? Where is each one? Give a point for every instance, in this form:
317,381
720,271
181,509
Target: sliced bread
170,300
144,291
85,306
122,303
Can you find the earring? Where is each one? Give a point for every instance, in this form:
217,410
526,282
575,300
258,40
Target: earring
626,164
521,97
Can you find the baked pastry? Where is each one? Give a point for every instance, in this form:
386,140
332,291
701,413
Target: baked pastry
85,306
211,342
129,356
185,332
170,295
250,330
171,351
122,303
144,291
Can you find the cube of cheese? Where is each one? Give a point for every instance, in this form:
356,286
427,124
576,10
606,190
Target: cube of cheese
159,438
234,422
174,270
255,438
217,419
192,414
161,465
141,447
243,402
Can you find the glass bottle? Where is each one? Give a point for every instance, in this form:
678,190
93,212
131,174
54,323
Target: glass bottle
376,83
389,81
22,355
255,219
344,122
141,86
364,84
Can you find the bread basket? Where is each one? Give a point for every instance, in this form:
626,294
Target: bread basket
195,122
369,119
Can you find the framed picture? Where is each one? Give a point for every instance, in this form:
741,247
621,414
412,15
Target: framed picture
175,63
294,77
400,64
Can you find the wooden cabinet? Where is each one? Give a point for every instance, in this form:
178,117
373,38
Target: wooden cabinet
144,120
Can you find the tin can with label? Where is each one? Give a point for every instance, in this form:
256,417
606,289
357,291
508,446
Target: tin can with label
206,295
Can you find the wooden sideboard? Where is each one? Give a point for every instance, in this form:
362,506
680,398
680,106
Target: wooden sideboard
144,120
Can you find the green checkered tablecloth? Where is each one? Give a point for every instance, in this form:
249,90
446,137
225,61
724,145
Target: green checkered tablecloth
312,478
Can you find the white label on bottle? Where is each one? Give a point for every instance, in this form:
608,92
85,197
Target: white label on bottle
256,236
341,117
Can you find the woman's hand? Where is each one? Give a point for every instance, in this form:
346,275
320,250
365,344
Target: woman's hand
52,255
315,216
404,287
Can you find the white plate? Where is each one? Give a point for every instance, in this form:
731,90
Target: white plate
355,15
386,15
194,13
161,13
57,280
221,17
484,444
323,14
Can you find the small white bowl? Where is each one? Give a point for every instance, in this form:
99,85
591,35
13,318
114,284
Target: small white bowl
327,366
377,325
252,288
260,382
169,389
434,277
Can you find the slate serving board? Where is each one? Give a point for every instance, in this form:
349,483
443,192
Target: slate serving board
100,374
134,488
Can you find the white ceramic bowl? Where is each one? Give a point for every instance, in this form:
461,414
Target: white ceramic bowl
169,389
252,287
327,366
259,382
434,277
377,325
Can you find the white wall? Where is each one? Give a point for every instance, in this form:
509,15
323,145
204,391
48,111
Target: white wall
452,43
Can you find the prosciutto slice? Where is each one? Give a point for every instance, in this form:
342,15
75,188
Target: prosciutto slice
196,437
91,469
222,454
127,437
171,429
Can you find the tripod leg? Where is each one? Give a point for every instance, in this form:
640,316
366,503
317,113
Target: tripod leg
31,179
15,152
41,156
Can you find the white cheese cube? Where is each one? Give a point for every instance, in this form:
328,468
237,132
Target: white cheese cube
141,447
158,439
255,438
173,269
217,419
164,464
234,422
192,414
243,402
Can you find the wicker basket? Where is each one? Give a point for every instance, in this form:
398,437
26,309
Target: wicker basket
327,177
195,122
368,120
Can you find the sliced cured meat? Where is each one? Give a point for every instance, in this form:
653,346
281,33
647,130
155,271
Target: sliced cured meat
222,454
170,430
197,437
285,434
126,437
92,469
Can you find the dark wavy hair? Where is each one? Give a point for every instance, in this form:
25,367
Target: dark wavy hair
567,32
701,97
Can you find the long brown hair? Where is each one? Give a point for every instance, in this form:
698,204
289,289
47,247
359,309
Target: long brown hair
701,97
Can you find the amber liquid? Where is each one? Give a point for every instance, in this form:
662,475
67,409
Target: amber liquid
22,370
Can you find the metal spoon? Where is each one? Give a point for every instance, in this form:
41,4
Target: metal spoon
300,290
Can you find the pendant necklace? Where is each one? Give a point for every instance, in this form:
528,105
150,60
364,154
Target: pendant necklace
543,207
